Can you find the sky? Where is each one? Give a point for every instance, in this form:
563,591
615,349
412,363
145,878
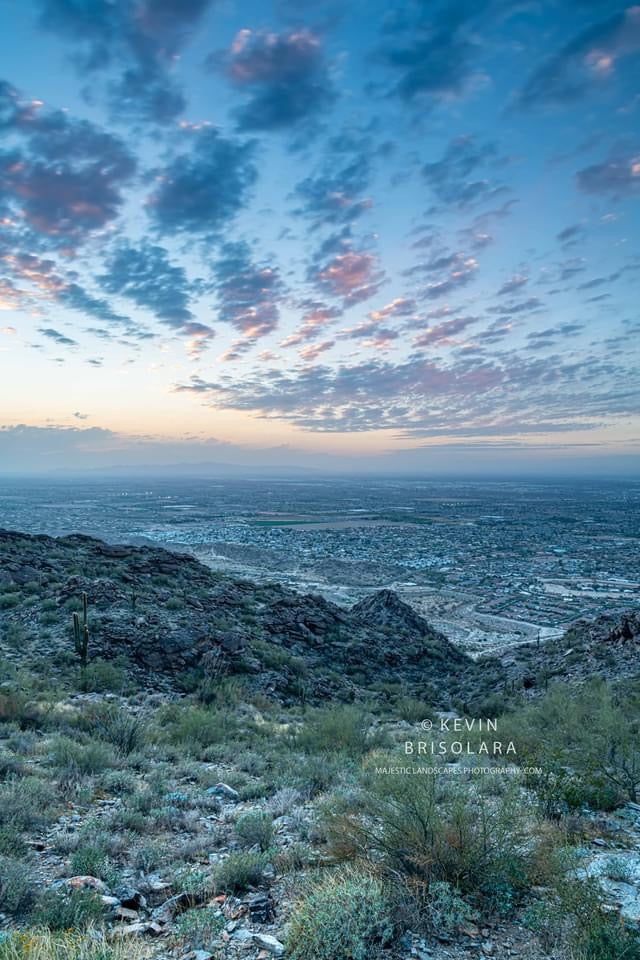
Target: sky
354,236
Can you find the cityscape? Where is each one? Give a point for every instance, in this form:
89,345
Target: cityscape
488,563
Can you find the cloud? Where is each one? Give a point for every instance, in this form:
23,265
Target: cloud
135,42
585,62
314,320
46,284
354,276
444,333
145,275
285,74
511,286
334,197
454,270
520,306
202,190
249,294
452,177
314,350
59,338
617,178
571,235
64,177
430,51
424,396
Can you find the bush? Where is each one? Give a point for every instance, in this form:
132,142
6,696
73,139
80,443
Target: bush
16,886
574,918
77,760
346,916
57,909
197,728
255,828
25,804
44,945
92,860
335,729
478,844
239,871
122,729
446,909
105,676
199,928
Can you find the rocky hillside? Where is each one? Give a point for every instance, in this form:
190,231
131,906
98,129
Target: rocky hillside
607,647
169,615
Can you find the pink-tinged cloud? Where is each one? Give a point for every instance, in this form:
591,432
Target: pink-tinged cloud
312,323
444,333
400,307
313,350
353,276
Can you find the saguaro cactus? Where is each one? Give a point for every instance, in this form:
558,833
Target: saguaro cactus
81,633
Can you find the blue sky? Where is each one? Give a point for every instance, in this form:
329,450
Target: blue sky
312,233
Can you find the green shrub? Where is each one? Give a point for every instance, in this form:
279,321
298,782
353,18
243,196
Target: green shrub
416,831
255,828
58,909
106,676
26,804
346,916
446,909
11,842
335,729
118,726
75,760
16,886
92,860
44,945
573,917
197,728
239,871
413,710
199,927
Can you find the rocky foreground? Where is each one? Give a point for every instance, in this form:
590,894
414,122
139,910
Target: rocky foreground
220,774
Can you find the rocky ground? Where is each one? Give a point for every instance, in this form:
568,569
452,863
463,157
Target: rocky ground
187,792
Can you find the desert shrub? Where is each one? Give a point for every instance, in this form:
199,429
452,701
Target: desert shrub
239,871
446,909
74,760
620,869
255,828
197,883
413,710
117,726
416,831
9,600
346,916
16,886
37,944
11,842
26,804
316,774
335,729
197,728
92,860
199,927
574,918
105,676
587,741
58,909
